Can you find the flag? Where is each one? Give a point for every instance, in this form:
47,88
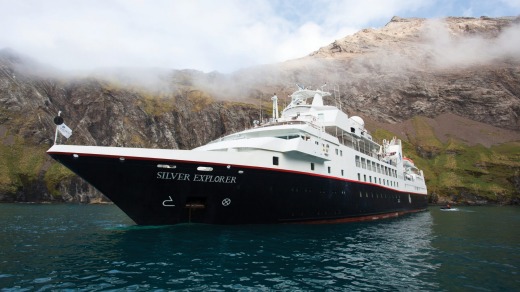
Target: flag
64,130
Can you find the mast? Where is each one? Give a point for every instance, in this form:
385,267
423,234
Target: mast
275,107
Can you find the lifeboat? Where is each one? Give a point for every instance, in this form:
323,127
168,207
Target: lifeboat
408,162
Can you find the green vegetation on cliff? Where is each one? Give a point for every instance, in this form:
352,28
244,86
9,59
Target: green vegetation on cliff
56,174
21,165
456,171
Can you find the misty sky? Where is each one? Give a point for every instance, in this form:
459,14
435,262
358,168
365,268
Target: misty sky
206,35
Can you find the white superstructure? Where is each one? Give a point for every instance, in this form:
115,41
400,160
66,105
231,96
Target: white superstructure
322,140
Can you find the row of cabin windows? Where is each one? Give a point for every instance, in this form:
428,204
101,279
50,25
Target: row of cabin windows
375,166
384,182
381,196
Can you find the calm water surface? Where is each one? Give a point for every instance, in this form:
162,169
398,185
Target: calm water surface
92,247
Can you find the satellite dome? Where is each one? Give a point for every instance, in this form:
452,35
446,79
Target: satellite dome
358,120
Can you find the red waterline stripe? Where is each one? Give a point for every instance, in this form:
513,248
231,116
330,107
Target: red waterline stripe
359,219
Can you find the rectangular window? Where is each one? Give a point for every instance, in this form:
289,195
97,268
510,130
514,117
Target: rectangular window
358,176
342,172
364,177
363,163
370,178
358,164
312,165
328,169
275,160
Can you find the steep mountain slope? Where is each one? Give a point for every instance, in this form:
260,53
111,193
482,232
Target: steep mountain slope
450,88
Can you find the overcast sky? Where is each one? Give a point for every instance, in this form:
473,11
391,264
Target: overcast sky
206,35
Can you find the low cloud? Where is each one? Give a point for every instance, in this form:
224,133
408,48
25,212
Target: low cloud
205,35
467,46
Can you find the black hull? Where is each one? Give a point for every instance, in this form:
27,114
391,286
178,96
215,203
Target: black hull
179,192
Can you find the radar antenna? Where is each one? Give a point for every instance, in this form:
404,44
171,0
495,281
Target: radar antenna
321,87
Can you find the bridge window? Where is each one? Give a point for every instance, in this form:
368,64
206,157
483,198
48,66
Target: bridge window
289,137
275,160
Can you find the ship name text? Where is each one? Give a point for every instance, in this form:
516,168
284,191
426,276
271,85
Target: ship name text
206,178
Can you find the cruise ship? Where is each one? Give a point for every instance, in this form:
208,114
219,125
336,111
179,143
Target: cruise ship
311,164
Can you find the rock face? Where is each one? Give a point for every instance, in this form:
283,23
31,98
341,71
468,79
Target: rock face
410,67
447,87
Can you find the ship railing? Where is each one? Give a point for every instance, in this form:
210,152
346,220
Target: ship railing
278,123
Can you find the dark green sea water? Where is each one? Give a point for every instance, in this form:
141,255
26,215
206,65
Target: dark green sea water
92,247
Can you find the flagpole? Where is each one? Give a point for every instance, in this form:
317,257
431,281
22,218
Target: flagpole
56,134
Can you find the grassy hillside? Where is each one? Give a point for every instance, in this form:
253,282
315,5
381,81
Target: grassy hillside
457,172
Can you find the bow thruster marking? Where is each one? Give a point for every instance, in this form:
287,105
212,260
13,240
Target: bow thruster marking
168,203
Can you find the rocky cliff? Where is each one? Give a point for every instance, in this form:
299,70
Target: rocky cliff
450,88
100,113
